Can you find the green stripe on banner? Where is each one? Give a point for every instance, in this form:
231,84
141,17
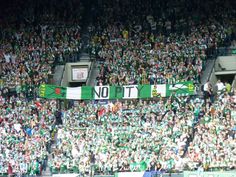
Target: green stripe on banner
87,93
52,92
144,91
116,92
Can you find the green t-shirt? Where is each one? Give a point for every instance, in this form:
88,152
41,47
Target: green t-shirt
142,166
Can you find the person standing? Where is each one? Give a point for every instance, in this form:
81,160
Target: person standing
92,163
10,170
208,92
220,87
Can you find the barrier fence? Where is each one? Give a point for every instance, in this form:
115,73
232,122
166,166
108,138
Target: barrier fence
209,174
161,174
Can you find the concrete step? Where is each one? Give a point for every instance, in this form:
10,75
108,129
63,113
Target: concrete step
47,172
57,76
84,57
206,73
94,74
84,54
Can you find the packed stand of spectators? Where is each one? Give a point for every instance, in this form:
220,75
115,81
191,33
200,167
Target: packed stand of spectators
29,52
140,43
128,136
214,142
26,129
155,47
31,44
171,134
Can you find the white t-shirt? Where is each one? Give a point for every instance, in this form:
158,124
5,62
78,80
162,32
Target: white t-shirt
13,58
7,58
206,87
220,86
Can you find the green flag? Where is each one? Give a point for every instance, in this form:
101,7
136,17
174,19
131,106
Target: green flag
52,92
180,89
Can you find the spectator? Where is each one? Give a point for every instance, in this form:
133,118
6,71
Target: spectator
220,87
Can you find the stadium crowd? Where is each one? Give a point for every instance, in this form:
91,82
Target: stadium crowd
171,134
29,50
143,47
137,45
26,128
154,47
122,135
29,54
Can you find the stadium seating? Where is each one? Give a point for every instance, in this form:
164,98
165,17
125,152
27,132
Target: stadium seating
134,42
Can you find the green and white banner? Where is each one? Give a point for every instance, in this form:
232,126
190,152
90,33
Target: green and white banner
115,92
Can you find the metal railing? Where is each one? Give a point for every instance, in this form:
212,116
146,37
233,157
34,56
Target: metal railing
226,51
